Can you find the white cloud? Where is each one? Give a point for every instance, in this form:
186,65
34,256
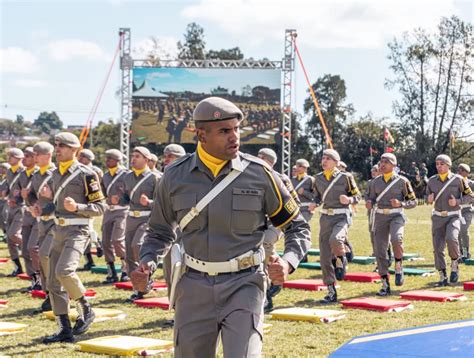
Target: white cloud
64,50
29,83
162,47
321,23
18,60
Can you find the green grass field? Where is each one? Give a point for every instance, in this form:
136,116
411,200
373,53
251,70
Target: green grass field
285,339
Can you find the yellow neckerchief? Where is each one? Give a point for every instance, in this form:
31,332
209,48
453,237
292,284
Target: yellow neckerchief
14,168
300,177
64,166
386,177
444,176
138,171
113,170
328,174
45,168
30,170
214,164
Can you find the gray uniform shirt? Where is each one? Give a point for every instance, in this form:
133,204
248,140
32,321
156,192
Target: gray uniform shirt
118,185
234,222
306,190
401,190
84,189
13,185
459,188
38,181
147,187
470,207
345,185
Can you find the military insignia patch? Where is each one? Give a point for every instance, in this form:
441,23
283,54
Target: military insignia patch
93,190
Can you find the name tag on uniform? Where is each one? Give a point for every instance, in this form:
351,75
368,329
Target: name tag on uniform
238,191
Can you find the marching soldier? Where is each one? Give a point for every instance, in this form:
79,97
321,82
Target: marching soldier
336,191
3,202
447,191
43,211
304,184
77,197
222,291
349,248
86,157
374,172
115,216
466,212
140,185
171,153
152,164
16,207
29,228
389,195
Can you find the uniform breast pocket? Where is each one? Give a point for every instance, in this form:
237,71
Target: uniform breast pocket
182,204
247,210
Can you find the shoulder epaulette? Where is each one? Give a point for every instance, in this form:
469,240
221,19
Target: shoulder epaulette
254,159
178,161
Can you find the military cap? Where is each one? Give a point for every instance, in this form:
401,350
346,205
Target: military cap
464,167
331,153
87,153
153,158
68,139
342,164
16,152
269,154
114,154
174,149
43,148
375,167
302,163
143,151
5,165
445,159
390,157
214,109
29,150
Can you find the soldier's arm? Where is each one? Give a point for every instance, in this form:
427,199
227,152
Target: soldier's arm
352,189
161,230
467,196
285,215
32,197
157,181
409,195
317,194
94,197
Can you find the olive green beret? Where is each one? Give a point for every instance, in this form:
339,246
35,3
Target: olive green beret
445,159
87,153
214,109
43,148
16,152
269,154
174,149
68,139
390,157
143,151
331,153
114,154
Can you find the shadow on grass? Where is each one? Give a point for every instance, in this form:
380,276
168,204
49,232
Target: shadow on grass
20,313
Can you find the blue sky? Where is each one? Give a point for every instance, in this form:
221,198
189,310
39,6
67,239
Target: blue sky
54,55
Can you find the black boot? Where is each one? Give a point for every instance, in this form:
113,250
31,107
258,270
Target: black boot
135,296
85,316
385,290
112,274
331,297
399,277
443,279
89,264
35,282
18,268
272,291
454,277
349,251
64,333
390,256
46,305
340,265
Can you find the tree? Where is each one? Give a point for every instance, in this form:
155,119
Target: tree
433,74
194,45
230,54
20,120
47,122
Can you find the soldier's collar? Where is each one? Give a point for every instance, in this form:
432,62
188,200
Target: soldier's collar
236,163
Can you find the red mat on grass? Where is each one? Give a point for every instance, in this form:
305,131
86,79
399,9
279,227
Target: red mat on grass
154,302
42,294
23,276
128,285
362,277
376,304
469,286
4,260
427,295
306,284
3,302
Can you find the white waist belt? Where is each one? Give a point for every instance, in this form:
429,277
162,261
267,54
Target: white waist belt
305,204
389,211
139,213
242,262
117,207
464,206
331,212
445,213
72,221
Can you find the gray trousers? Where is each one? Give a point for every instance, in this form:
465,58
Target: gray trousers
445,231
307,215
371,233
113,234
29,237
464,234
388,228
229,304
69,243
45,239
3,215
332,235
14,225
134,236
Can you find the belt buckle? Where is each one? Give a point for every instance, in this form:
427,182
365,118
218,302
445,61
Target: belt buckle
212,273
136,213
245,262
330,211
386,211
444,213
61,221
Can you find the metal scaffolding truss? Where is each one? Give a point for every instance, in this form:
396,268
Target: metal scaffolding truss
126,64
212,64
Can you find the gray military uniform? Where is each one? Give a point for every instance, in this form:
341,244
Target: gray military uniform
369,213
3,205
389,222
334,226
115,216
29,229
466,212
15,213
305,190
138,215
46,220
70,240
233,223
446,220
